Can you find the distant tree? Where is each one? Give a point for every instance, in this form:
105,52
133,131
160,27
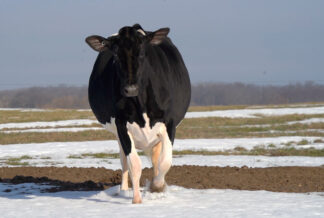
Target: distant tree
202,94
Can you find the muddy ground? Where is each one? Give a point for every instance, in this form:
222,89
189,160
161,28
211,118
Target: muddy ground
278,179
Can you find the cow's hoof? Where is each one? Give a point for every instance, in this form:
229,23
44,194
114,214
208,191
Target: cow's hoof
155,188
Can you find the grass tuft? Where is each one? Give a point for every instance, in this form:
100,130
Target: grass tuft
303,142
318,141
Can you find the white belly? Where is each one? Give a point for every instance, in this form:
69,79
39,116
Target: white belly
146,137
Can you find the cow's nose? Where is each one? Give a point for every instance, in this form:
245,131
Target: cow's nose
131,90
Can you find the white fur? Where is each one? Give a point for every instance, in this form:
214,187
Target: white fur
123,161
111,126
115,34
135,168
165,159
146,137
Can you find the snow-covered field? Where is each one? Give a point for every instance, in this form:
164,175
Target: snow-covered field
253,113
176,202
199,160
48,124
68,129
71,154
27,200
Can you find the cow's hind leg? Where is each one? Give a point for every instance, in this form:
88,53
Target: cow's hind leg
164,161
123,161
135,168
156,151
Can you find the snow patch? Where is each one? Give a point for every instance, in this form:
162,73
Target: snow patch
73,129
176,202
79,122
62,149
254,113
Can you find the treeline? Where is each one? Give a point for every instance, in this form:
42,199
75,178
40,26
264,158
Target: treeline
248,94
202,94
46,97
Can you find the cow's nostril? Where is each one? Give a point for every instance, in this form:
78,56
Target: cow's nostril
131,91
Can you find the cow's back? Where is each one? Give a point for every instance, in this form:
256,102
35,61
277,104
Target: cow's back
171,82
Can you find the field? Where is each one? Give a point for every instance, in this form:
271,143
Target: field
228,161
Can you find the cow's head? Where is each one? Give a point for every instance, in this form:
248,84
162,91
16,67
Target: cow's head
128,47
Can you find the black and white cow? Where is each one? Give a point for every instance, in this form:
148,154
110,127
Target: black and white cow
139,90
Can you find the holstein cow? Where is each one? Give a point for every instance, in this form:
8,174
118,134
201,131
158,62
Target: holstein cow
139,90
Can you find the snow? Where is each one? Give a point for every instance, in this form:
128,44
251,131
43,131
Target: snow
27,199
308,121
253,113
175,202
79,122
249,161
236,113
59,153
110,146
247,143
199,160
72,129
25,109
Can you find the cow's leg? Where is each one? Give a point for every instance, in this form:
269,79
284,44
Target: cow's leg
123,161
133,160
156,151
164,161
135,168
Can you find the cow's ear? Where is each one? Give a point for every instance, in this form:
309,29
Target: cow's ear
157,36
97,43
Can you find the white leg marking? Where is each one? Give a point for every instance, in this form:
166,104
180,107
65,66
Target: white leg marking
123,161
111,126
135,168
165,159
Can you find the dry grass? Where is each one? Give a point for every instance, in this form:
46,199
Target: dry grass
13,116
18,161
236,151
15,138
212,127
46,127
258,151
234,107
215,127
16,116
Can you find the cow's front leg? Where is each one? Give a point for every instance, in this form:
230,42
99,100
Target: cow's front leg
123,161
133,160
135,167
164,162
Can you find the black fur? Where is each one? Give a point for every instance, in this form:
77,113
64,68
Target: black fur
157,69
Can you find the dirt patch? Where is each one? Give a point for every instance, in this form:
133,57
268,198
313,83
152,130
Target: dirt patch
278,179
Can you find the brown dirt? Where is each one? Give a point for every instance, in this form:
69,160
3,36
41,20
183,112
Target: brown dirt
278,179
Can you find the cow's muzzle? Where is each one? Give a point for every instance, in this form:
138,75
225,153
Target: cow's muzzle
130,91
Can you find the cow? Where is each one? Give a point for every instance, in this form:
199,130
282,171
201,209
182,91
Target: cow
139,90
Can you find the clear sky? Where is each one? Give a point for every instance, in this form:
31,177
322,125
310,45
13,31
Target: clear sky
252,41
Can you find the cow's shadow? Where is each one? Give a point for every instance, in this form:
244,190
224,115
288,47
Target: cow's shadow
27,187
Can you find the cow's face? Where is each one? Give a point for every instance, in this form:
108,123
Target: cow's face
128,47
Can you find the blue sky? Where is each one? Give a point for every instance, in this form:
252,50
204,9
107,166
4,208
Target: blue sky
252,41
